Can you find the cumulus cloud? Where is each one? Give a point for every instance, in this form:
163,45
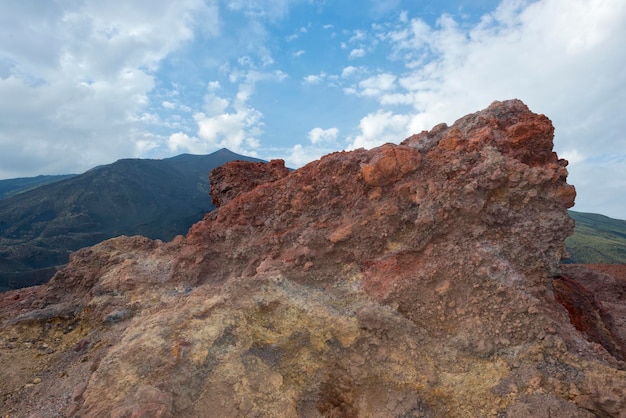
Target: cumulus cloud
349,71
314,78
268,9
182,141
74,80
214,104
357,53
299,154
319,135
227,123
236,131
381,127
322,142
377,85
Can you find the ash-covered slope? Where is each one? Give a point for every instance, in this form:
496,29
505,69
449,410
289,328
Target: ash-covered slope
407,280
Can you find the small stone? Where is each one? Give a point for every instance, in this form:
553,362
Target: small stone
77,394
37,380
71,410
118,315
82,345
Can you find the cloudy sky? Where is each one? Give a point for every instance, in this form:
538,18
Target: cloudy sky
86,82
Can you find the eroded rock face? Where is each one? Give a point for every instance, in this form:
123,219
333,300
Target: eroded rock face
237,177
406,280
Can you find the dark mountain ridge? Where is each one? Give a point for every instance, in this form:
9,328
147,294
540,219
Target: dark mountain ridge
11,187
155,198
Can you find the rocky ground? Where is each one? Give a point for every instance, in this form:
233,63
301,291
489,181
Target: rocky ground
411,280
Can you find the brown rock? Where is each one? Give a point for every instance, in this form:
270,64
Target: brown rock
407,280
392,163
236,177
592,299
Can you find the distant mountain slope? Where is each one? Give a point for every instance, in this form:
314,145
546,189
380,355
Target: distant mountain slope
155,198
597,239
12,187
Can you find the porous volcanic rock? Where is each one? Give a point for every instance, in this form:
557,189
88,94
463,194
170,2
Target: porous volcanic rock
407,280
237,177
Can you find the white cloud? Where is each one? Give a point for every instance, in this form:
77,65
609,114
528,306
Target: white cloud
381,127
214,86
214,104
296,34
75,78
299,154
180,141
377,85
237,131
267,9
299,53
349,71
359,35
319,135
357,53
322,142
227,123
314,79
573,156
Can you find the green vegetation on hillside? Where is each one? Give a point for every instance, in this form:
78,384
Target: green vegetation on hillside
597,239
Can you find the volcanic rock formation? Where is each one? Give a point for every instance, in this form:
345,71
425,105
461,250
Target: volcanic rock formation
411,280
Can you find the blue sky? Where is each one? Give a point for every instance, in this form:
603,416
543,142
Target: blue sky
86,82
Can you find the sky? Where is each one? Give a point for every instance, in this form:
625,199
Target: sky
87,82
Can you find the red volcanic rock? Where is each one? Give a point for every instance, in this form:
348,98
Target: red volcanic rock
593,296
404,197
391,164
236,177
419,279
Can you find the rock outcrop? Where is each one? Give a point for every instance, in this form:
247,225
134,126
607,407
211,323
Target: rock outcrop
237,177
408,280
